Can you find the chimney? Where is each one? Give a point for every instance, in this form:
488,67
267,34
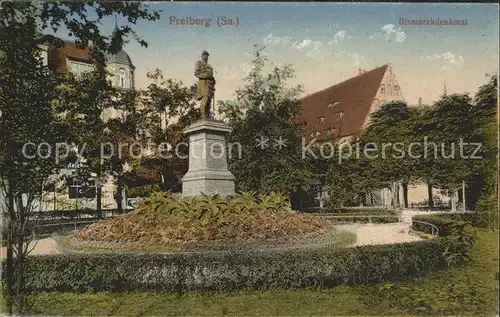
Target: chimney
364,70
360,71
420,101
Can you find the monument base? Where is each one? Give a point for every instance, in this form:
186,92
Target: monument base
209,182
208,173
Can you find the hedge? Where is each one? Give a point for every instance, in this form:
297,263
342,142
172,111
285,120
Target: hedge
232,270
458,236
223,271
480,219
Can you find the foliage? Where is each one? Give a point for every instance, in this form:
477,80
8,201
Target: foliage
235,270
470,290
142,191
459,236
189,222
266,109
485,185
479,219
444,160
29,100
167,107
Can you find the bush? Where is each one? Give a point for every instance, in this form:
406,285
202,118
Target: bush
480,219
458,236
143,191
236,270
278,268
206,221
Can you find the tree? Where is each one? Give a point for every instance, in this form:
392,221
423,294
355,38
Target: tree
29,114
26,93
266,110
424,166
390,132
122,130
172,102
483,192
449,125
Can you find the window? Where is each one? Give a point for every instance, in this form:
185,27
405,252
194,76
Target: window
333,104
382,89
78,68
331,131
339,115
321,119
122,78
79,189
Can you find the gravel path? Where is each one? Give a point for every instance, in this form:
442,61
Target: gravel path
380,233
44,246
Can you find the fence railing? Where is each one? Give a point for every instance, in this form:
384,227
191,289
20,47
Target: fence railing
434,228
61,228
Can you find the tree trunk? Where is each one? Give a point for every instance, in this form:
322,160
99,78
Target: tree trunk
10,254
453,201
19,262
119,196
405,194
395,195
429,195
98,194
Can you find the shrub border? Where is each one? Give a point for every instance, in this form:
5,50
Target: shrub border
248,270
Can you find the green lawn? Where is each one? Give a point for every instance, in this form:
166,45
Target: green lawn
468,291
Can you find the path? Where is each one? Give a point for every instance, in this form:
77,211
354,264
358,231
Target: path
44,246
387,233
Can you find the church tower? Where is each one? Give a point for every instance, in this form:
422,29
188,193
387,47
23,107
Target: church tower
121,67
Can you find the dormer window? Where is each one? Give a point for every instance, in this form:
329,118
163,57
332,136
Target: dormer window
339,115
321,119
317,133
333,104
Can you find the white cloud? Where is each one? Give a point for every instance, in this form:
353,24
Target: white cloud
447,58
311,48
447,61
339,36
390,32
276,40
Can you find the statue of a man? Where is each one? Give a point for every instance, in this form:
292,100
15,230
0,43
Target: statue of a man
206,84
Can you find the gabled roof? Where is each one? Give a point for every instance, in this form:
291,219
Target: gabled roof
71,51
353,97
75,52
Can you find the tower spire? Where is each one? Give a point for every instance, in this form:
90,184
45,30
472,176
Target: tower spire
115,29
444,90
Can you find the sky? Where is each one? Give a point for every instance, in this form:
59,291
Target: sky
326,43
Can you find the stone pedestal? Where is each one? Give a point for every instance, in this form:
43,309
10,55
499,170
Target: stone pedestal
207,171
